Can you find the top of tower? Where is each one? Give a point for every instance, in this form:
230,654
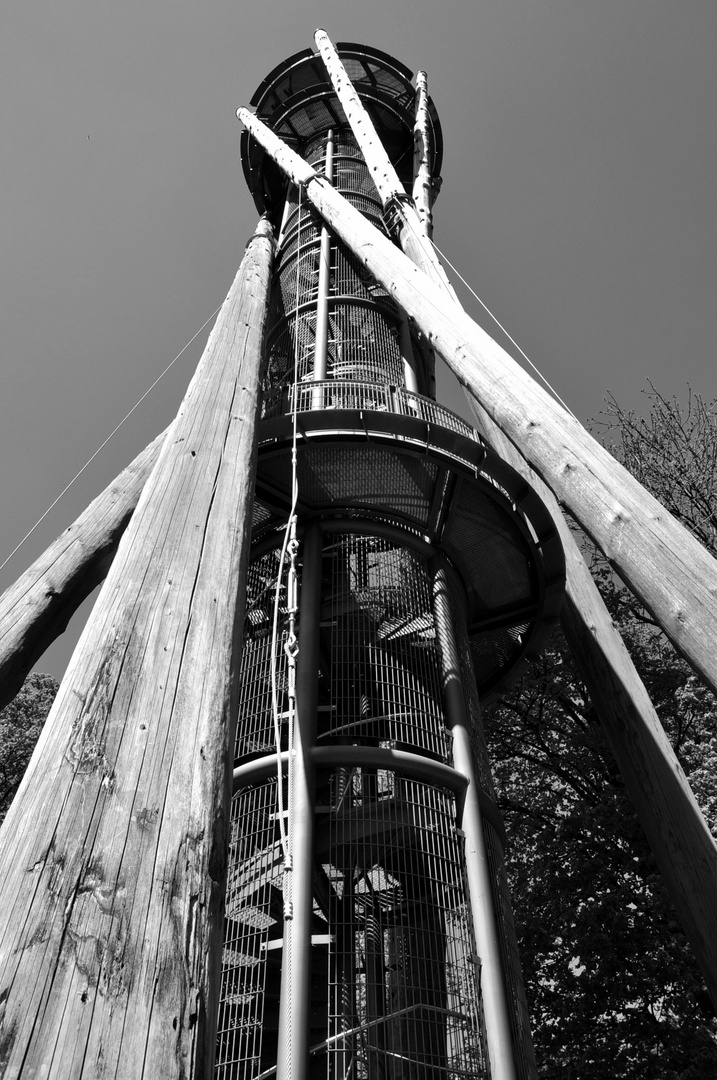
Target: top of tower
297,101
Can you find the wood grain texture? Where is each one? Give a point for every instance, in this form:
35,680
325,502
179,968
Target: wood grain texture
113,855
422,156
37,607
676,830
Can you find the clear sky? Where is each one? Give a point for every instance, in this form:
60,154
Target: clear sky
578,199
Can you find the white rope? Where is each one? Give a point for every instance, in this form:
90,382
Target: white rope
104,444
498,323
290,545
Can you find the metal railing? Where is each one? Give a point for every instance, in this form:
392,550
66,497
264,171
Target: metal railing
373,397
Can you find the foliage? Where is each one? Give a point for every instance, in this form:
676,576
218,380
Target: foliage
613,987
20,726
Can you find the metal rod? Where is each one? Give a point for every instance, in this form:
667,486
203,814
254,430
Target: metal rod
499,1037
293,1044
407,355
321,346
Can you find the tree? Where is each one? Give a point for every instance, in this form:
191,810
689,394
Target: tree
611,981
20,725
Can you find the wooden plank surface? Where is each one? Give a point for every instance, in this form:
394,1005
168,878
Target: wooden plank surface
113,855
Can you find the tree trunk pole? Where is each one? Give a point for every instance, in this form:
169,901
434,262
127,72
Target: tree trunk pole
406,220
36,609
676,830
113,855
422,154
664,565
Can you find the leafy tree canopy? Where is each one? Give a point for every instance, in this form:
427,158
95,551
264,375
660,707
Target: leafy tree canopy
612,984
20,726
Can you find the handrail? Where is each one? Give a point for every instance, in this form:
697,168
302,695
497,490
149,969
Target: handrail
373,397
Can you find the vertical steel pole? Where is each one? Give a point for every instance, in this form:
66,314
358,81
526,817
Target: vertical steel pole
407,355
294,1015
485,926
321,347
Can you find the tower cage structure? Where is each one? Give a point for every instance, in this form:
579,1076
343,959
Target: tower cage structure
399,574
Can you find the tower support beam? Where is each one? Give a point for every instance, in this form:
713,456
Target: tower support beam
37,607
113,855
666,567
293,1056
485,924
675,827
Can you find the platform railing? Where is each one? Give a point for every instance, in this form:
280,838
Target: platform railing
373,397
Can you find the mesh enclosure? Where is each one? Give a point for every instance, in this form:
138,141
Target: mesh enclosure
363,336
362,477
254,905
255,722
402,970
377,630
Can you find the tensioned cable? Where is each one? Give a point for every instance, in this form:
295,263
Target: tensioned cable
498,323
102,445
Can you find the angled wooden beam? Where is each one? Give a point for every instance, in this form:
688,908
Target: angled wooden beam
664,565
408,224
113,855
676,830
37,607
423,186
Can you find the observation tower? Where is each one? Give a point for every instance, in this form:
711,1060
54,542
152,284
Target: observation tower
399,574
326,733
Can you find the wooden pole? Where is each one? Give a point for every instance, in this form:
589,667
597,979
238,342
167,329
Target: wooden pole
674,825
113,855
408,224
36,609
664,565
422,153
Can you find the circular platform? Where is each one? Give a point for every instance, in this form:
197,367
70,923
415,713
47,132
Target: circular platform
437,488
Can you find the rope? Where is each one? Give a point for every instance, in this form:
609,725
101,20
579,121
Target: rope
498,323
104,444
290,545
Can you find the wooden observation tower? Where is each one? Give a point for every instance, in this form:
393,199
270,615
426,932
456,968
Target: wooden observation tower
258,835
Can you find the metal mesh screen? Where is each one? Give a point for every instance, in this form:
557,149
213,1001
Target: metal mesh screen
402,971
255,722
363,319
248,1012
378,633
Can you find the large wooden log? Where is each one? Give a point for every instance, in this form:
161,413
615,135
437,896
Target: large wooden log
423,184
676,830
401,210
664,565
37,607
113,855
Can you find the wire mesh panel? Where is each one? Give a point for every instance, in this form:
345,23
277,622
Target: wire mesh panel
379,634
248,1011
255,723
402,970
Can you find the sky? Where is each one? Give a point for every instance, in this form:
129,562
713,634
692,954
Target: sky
578,188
